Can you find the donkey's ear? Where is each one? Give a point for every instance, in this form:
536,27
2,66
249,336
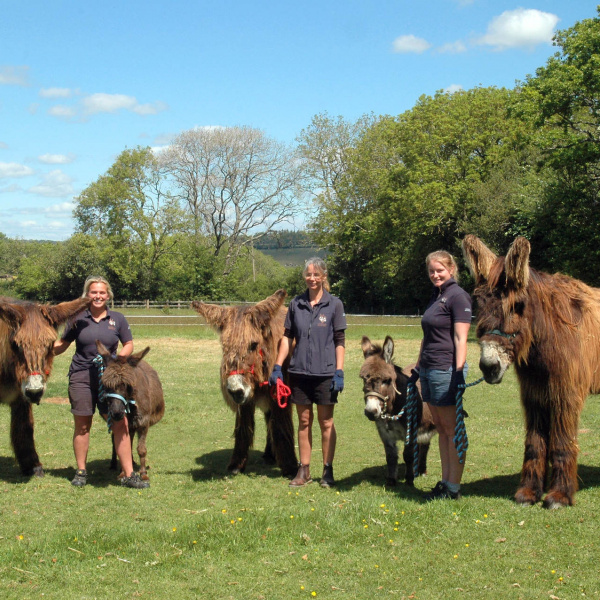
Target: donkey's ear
59,313
215,315
516,264
270,305
11,314
134,359
103,351
366,346
479,258
388,349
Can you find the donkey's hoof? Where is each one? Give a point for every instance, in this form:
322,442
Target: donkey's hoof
526,497
38,471
554,500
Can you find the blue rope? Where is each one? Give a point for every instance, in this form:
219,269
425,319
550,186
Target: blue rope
461,440
412,423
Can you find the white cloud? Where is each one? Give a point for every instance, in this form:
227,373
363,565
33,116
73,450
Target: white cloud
56,159
110,103
11,75
410,44
457,47
62,208
62,111
54,184
3,145
56,92
11,189
9,170
455,87
519,28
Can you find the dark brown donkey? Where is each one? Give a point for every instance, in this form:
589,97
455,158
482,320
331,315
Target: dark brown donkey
27,334
132,389
384,386
548,326
250,337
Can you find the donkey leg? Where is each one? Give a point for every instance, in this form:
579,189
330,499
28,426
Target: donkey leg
269,454
21,436
142,451
244,438
535,460
563,458
423,451
281,428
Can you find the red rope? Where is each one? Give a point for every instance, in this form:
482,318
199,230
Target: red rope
281,393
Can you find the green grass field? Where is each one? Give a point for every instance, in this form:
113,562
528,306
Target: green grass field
199,533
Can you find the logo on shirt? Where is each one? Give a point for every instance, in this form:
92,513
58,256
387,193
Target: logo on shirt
443,300
323,318
112,322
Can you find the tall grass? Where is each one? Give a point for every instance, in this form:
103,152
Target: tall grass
199,533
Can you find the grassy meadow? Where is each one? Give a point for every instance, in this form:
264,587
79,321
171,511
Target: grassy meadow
199,533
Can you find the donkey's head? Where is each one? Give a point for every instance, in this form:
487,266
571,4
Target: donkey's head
379,378
249,337
31,330
119,380
501,296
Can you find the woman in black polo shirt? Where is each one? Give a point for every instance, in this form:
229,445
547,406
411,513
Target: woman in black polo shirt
110,327
442,364
316,322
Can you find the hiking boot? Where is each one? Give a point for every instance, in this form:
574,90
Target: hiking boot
302,476
327,479
441,492
134,481
80,478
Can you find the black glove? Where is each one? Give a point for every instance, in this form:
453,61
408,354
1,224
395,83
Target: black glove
337,383
414,376
276,374
458,379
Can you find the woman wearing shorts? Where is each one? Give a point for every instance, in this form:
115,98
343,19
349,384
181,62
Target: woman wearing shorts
110,327
316,322
442,363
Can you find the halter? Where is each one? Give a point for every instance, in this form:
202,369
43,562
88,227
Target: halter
508,336
250,370
102,394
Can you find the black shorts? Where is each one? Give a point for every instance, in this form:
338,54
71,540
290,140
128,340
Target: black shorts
83,393
312,390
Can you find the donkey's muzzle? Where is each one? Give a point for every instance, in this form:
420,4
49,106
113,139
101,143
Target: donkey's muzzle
34,388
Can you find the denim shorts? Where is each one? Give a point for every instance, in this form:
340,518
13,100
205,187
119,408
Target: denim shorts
435,384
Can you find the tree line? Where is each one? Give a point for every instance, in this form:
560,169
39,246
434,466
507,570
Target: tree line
377,194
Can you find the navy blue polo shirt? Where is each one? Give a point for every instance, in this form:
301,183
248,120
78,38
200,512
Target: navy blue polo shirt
451,304
84,331
312,328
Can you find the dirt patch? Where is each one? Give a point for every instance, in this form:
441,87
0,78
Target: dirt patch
55,400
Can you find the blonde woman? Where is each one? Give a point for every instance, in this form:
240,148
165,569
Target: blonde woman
110,327
316,321
442,365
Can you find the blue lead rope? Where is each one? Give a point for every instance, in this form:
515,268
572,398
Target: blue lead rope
461,441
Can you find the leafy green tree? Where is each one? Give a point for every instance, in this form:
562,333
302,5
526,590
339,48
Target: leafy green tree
562,100
132,210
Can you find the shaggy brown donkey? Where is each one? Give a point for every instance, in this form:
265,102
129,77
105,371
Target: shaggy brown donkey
250,336
27,334
132,389
548,326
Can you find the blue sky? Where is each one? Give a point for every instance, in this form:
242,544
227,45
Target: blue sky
82,81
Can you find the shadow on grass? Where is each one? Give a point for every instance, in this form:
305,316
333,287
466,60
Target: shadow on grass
213,465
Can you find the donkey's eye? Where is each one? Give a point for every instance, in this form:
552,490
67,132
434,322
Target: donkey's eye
253,346
387,382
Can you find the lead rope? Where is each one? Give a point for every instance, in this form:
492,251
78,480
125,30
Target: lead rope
412,423
461,441
99,362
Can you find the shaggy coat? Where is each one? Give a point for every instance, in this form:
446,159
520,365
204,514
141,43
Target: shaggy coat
137,382
548,326
27,334
250,337
384,386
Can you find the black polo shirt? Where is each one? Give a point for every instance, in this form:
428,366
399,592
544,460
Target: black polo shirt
84,331
312,328
448,305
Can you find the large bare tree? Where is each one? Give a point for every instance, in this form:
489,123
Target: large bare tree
236,183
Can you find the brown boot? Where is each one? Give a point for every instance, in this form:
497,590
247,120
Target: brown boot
302,476
327,480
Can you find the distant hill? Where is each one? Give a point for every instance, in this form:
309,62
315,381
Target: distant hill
293,257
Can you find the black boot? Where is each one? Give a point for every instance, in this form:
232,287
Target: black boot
327,480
